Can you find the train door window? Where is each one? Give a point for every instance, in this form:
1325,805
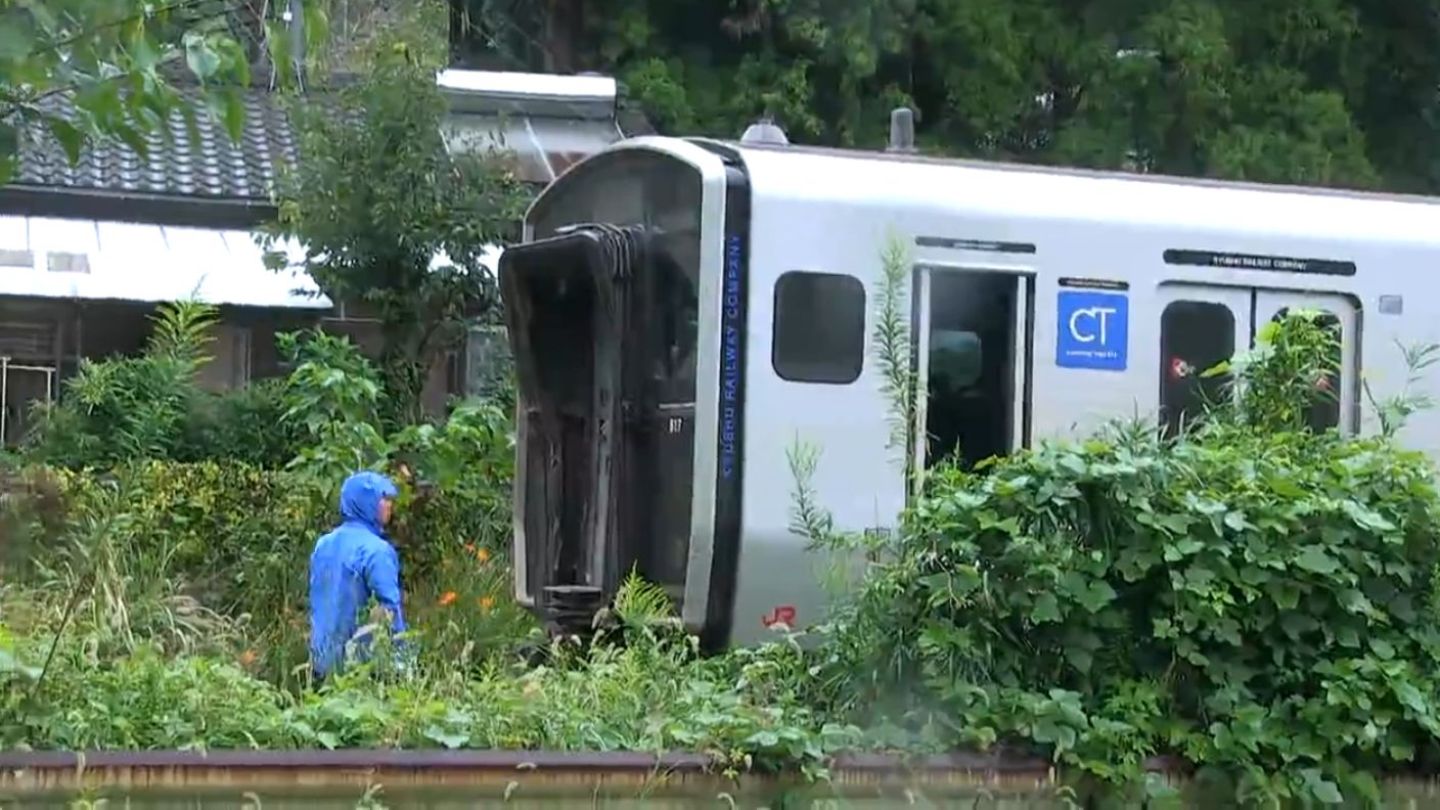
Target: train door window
1195,336
1337,400
971,347
1323,412
819,328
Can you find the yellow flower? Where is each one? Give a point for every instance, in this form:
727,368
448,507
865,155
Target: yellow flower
448,598
486,602
482,555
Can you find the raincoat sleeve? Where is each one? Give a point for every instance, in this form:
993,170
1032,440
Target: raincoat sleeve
382,575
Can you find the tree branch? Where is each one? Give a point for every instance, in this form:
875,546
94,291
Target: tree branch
105,26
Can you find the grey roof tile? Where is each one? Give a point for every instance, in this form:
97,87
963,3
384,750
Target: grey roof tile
208,166
213,167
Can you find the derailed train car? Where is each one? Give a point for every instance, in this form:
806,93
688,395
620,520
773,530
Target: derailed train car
683,311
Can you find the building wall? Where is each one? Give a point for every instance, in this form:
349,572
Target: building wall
42,343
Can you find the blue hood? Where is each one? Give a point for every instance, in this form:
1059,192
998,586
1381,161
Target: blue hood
360,497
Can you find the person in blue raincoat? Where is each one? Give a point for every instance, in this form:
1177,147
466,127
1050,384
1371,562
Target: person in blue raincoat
349,566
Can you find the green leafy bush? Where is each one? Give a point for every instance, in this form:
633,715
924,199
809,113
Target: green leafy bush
235,539
333,398
247,425
151,406
1255,597
134,407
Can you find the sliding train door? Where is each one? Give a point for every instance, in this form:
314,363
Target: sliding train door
1202,326
1339,404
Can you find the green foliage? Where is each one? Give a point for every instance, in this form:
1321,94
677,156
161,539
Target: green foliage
117,60
134,407
893,351
1333,92
1290,373
333,398
1253,596
247,426
650,696
122,409
392,220
193,555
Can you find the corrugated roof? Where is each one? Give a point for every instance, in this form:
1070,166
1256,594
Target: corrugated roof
43,257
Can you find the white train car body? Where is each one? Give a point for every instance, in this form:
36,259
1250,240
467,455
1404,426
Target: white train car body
683,312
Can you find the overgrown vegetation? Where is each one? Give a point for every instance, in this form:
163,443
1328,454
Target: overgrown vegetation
1253,597
154,503
151,406
1250,596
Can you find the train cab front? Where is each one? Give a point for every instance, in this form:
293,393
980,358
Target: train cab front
619,372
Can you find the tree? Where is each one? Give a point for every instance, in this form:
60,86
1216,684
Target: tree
1333,92
388,217
119,59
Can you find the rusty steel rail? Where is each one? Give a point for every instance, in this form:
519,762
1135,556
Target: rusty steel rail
546,772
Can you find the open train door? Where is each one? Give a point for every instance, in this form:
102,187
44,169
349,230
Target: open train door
618,371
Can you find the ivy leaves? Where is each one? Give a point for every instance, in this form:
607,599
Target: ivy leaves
1271,590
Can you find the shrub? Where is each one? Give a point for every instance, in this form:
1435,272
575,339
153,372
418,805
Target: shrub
247,425
235,539
1255,597
124,409
333,399
135,407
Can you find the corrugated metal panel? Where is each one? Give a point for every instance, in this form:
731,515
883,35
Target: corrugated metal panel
547,122
97,260
541,148
529,94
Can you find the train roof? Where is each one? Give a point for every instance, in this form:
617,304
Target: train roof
1028,191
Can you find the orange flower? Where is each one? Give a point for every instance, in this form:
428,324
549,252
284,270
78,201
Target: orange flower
447,598
482,555
486,602
248,658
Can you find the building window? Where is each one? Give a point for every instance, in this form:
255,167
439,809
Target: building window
1195,336
1323,412
819,328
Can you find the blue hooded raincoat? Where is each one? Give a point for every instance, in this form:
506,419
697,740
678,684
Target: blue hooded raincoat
349,566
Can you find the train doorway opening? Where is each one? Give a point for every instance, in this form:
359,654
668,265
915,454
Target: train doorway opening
973,334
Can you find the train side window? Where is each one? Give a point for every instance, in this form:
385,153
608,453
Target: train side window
1324,412
819,328
1194,337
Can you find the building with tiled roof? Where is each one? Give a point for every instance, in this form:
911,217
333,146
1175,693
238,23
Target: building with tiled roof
87,250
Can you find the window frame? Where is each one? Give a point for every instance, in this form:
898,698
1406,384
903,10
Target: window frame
777,362
1175,415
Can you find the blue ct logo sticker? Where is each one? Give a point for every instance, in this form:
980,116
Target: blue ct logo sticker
1093,331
